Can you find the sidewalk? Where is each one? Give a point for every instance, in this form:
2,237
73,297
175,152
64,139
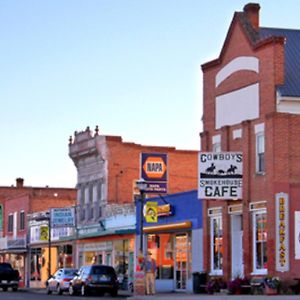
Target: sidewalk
190,296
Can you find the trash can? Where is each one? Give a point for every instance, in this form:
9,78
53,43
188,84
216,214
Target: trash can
199,282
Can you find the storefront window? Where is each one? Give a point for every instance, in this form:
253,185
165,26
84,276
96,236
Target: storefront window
260,242
172,254
162,248
216,244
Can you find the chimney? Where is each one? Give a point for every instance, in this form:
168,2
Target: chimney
251,11
20,182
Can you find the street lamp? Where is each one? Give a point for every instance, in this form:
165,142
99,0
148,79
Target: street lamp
142,186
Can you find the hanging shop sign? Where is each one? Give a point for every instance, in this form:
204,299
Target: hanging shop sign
220,175
44,233
63,217
155,172
151,212
282,232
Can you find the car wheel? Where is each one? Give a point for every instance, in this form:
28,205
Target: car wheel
59,290
114,293
15,288
71,290
48,291
4,288
83,290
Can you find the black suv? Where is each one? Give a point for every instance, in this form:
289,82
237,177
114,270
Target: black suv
94,278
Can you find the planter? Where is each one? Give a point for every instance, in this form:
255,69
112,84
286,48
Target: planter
270,291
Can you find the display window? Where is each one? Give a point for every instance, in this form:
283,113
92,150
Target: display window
216,244
172,252
260,242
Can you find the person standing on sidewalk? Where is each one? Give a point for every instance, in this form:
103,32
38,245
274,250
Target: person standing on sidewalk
150,269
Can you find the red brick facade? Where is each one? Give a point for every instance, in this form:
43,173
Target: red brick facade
282,145
124,168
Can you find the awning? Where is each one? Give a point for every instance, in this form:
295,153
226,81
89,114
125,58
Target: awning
168,227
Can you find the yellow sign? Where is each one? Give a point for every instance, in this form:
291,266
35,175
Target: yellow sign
151,212
44,232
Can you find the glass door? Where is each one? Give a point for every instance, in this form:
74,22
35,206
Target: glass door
181,261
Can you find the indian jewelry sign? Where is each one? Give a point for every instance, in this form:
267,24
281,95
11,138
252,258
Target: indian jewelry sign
282,232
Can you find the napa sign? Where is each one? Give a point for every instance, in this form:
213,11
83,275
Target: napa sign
220,175
154,171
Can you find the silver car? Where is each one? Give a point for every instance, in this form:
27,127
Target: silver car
59,282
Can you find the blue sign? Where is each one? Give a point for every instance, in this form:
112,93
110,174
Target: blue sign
63,217
154,170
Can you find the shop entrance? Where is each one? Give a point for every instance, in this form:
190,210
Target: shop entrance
181,261
237,265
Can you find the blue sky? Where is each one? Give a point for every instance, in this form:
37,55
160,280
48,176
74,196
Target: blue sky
130,66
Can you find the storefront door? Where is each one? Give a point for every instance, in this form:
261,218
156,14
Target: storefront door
181,261
237,266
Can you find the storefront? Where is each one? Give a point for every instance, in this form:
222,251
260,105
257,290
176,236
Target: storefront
110,242
175,240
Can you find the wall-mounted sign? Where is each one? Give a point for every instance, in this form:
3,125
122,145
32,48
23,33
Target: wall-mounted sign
155,172
62,217
220,175
282,232
297,234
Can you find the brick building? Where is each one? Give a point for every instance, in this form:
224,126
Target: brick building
16,203
107,169
252,105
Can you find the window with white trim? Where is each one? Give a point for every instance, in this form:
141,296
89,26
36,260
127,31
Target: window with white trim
216,143
10,223
260,152
216,245
22,220
260,242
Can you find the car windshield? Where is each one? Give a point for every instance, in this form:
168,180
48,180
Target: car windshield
102,270
5,267
70,272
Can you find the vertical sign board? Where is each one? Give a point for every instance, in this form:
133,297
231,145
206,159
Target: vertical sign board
220,175
297,234
62,217
154,171
282,232
151,212
1,217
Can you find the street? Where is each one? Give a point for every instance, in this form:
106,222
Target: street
37,294
32,295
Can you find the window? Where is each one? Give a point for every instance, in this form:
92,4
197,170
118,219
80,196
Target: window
10,223
259,242
216,245
22,220
217,147
260,153
216,143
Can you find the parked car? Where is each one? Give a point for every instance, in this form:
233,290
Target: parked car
9,278
59,282
95,278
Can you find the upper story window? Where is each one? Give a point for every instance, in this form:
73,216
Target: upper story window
22,220
260,147
10,223
216,143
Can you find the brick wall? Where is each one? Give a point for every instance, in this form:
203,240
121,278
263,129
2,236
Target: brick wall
124,168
